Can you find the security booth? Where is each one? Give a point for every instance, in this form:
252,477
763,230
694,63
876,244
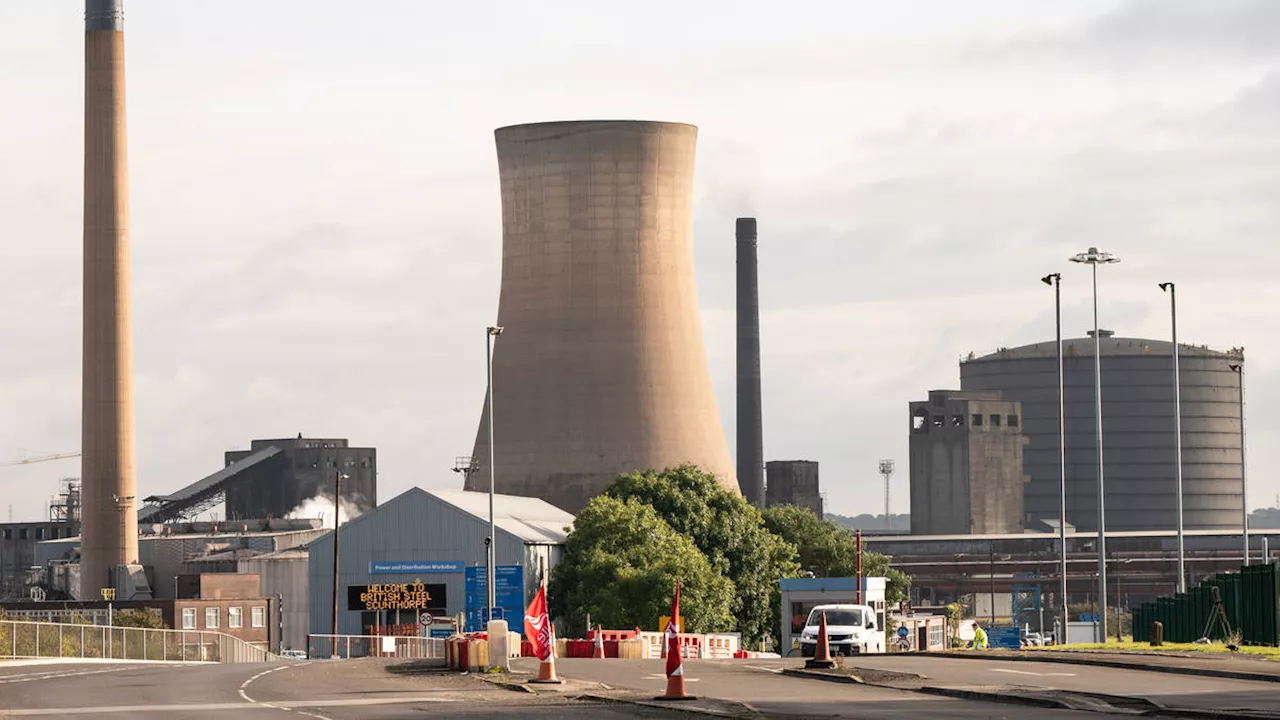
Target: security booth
802,595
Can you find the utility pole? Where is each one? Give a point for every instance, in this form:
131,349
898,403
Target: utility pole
337,523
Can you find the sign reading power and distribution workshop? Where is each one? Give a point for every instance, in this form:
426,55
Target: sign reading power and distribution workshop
508,595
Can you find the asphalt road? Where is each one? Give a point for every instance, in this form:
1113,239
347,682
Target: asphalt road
324,690
761,686
1168,689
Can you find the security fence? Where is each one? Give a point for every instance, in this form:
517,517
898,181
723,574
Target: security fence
1250,602
324,647
30,640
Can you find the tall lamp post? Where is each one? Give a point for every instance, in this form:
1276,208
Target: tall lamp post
1095,258
1238,369
491,333
1177,429
338,477
1055,280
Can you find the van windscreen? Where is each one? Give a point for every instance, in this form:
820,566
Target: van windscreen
838,617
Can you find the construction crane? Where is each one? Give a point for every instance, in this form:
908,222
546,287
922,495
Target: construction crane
42,458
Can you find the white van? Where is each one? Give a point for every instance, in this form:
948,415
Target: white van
851,630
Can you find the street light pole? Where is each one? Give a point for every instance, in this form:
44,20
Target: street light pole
337,523
491,333
1055,279
1177,428
1238,368
1094,258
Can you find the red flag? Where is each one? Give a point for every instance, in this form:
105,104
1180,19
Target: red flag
674,664
537,626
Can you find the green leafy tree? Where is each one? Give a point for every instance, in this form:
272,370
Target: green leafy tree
621,563
828,550
144,618
728,530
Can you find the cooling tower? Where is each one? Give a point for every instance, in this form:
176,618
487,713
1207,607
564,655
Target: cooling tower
750,429
600,368
109,531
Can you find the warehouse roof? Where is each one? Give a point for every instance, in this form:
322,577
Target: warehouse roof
530,519
1110,347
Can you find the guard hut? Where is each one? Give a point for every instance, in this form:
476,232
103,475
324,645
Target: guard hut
801,595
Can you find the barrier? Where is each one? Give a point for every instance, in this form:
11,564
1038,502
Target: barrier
31,640
324,646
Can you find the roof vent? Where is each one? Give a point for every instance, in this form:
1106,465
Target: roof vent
1103,333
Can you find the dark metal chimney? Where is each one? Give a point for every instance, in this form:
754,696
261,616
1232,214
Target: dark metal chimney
750,430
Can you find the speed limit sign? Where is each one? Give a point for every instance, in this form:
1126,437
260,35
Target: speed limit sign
425,619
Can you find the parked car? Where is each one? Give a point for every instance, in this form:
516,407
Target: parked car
851,630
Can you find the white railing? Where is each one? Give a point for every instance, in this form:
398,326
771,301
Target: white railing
323,647
30,640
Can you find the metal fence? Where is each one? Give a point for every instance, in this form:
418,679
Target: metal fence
1250,601
30,640
357,646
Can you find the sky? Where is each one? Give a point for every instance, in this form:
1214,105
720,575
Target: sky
316,219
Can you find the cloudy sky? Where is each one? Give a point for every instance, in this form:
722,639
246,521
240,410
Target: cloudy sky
316,217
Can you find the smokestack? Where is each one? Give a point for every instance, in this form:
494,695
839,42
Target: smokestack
109,536
750,430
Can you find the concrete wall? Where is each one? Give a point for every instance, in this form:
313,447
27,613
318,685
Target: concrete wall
601,368
1138,430
966,464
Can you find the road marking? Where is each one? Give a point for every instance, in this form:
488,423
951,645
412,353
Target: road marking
207,707
766,669
52,675
246,684
1027,672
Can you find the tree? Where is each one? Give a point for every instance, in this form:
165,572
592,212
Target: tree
727,529
621,563
828,550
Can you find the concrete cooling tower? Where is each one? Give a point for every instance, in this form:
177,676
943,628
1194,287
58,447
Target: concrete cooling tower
600,368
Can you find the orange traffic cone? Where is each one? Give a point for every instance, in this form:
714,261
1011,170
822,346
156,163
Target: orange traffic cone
599,653
547,668
675,663
821,653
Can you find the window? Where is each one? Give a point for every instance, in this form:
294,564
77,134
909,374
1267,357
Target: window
8,533
211,618
977,420
1012,421
188,618
235,617
995,421
939,421
259,617
22,533
39,533
919,424
957,421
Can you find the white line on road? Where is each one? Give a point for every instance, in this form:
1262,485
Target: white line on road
1027,672
52,675
246,684
766,669
208,707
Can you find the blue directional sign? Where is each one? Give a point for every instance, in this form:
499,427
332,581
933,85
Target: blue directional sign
441,632
508,594
1004,637
1090,617
903,631
412,567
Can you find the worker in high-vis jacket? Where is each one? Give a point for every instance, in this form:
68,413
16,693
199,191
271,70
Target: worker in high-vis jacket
979,637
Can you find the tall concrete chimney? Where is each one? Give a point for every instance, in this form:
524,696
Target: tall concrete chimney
750,430
109,537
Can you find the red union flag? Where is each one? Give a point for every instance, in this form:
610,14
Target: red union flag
537,626
674,665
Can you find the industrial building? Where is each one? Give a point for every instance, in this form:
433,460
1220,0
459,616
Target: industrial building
18,541
1138,430
433,540
793,482
273,478
600,367
966,464
1022,570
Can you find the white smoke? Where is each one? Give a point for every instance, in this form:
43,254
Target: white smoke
321,507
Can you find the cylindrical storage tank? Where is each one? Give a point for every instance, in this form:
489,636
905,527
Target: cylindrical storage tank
601,367
1139,459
